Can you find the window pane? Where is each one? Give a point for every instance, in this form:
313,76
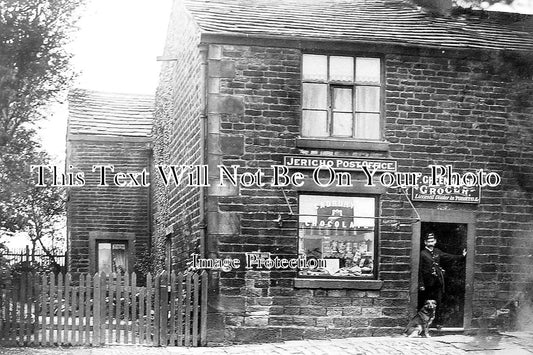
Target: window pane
330,228
314,124
367,70
367,98
367,125
314,67
342,124
342,99
104,258
341,69
119,258
315,96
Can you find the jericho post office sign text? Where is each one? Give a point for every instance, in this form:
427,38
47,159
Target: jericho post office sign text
338,163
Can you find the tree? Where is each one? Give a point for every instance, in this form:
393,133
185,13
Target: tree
25,207
34,62
34,70
5,274
42,214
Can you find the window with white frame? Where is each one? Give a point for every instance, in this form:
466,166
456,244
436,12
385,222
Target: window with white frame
341,97
341,231
112,257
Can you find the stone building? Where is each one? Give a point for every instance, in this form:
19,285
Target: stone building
388,85
108,226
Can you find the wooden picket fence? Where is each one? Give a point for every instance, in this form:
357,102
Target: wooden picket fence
47,310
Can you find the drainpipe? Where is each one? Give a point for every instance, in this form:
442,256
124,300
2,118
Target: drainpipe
203,145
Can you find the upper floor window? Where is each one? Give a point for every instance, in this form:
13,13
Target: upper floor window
341,97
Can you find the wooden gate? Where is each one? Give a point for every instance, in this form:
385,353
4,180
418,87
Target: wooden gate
171,310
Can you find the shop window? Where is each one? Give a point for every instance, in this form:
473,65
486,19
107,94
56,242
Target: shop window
341,97
340,232
112,257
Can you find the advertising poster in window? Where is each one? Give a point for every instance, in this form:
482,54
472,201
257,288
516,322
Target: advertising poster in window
337,230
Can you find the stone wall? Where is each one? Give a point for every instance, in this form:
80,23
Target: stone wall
112,210
444,108
473,113
177,141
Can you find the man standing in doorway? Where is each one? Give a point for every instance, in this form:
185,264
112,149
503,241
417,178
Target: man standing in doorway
431,274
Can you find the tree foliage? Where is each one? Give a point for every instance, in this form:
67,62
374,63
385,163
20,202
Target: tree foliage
34,62
25,207
34,70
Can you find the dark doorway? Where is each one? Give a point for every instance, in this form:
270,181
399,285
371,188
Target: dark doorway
451,239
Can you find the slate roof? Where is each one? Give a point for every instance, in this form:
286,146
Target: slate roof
109,114
376,21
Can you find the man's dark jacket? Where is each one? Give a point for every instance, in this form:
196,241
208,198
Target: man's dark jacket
431,274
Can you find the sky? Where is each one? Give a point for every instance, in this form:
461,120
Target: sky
522,6
115,50
118,42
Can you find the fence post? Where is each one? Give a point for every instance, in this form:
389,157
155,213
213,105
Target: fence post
82,316
180,309
149,308
172,317
53,290
96,309
196,295
188,309
126,293
163,318
88,289
30,316
134,324
203,310
67,325
117,293
142,313
13,316
157,310
60,288
37,307
21,302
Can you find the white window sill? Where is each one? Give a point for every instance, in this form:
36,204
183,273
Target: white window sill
354,284
346,144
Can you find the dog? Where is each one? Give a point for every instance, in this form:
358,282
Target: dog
422,320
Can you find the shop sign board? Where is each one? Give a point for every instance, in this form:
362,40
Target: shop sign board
339,163
444,193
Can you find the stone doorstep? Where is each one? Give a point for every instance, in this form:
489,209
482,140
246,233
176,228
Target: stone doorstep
447,330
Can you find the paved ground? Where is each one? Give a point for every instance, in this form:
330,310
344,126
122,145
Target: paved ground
508,343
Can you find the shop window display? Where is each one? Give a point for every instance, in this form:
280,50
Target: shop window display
340,230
